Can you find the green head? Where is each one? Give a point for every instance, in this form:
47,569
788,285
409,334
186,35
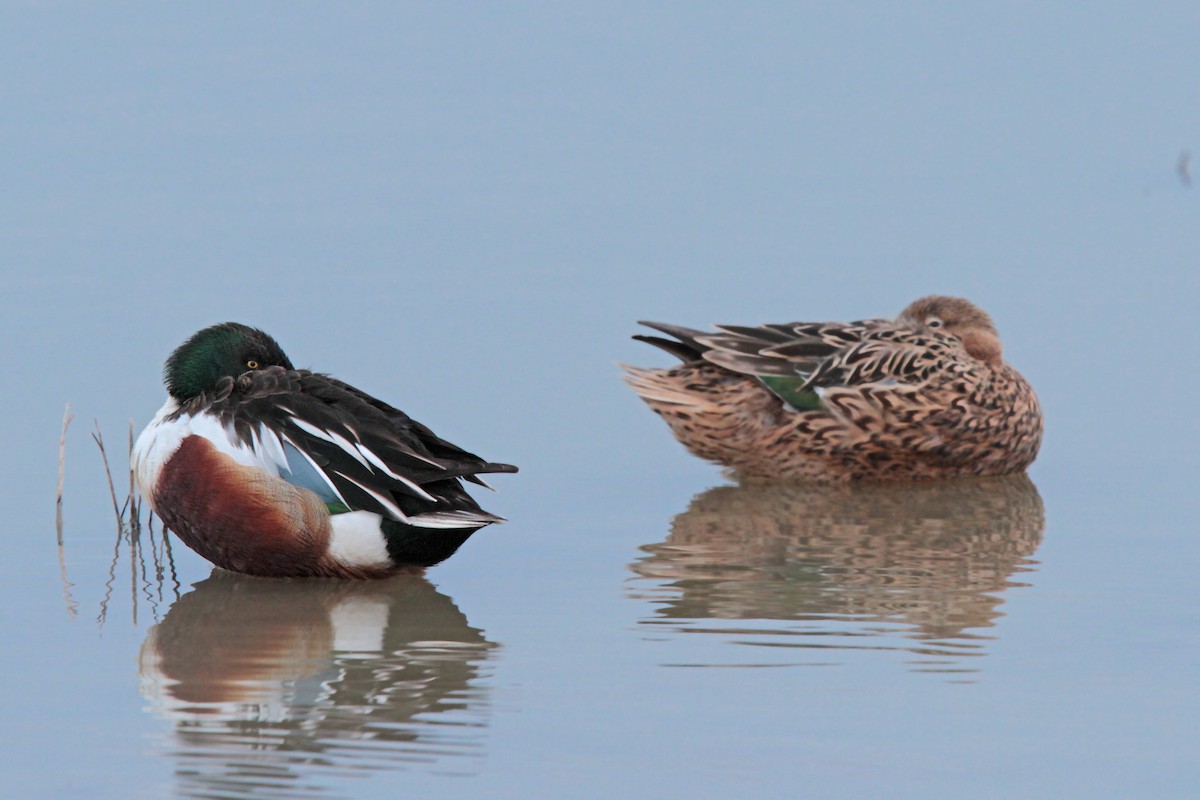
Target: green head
225,350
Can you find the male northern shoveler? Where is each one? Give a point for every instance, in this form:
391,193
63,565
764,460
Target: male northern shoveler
927,395
269,470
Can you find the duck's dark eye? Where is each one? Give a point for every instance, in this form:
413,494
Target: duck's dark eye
252,364
933,322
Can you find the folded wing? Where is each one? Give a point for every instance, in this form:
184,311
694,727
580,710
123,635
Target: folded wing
797,361
353,451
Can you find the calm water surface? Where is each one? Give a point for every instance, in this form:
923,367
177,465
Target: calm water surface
464,211
270,686
802,573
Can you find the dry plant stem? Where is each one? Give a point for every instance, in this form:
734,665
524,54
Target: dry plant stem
135,507
62,462
72,606
111,489
112,571
136,557
132,533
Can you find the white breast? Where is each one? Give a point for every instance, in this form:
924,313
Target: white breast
162,437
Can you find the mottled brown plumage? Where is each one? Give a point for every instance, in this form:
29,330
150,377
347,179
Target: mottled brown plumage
926,395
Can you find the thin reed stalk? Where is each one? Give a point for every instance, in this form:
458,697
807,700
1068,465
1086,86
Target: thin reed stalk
62,464
72,606
111,488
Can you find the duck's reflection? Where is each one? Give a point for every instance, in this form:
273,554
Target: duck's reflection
280,686
916,567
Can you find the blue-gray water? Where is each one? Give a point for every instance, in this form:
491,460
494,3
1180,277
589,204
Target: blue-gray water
463,209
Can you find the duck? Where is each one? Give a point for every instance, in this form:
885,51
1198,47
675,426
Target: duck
269,470
926,395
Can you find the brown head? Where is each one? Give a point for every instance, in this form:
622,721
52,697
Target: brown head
961,319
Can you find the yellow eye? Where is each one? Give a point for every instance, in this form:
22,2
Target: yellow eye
252,364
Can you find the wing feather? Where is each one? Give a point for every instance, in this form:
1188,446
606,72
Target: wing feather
352,449
798,361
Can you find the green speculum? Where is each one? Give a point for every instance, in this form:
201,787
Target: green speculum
788,389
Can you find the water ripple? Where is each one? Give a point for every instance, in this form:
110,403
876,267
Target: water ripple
281,688
916,568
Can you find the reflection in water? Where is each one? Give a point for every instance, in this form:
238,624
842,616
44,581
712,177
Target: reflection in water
848,567
278,687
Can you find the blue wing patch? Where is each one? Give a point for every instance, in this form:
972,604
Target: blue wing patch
300,472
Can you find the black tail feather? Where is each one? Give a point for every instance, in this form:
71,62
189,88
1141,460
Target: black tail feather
686,348
680,350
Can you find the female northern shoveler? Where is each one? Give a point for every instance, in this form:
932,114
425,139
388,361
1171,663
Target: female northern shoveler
926,395
269,470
